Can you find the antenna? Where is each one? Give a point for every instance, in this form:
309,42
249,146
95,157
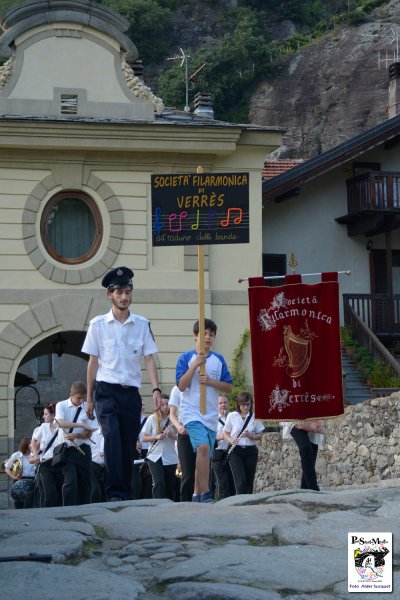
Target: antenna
393,37
184,58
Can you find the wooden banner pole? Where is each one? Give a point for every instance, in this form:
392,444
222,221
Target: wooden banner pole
200,275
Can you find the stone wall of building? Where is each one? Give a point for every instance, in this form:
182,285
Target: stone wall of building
362,446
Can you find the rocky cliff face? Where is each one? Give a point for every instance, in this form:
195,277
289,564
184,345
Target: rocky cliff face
333,89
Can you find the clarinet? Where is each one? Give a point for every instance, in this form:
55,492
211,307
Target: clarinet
155,444
231,449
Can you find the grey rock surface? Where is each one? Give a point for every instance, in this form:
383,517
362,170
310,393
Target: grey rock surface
289,544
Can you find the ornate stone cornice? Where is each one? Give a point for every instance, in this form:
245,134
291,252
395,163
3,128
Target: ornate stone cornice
5,71
138,88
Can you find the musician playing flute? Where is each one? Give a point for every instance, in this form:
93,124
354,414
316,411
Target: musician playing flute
161,457
243,431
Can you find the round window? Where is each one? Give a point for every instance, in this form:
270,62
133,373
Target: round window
71,227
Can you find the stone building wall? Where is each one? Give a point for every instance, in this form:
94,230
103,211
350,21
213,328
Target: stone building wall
362,446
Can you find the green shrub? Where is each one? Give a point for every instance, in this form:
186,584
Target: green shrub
381,376
237,370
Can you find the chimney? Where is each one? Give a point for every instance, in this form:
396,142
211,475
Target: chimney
136,64
138,69
394,89
203,105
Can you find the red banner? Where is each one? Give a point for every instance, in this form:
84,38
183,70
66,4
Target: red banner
295,346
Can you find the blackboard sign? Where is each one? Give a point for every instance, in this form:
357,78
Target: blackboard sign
200,208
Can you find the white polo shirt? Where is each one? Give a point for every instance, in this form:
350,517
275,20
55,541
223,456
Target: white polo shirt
165,448
221,444
234,424
119,347
66,410
28,469
287,426
43,435
98,447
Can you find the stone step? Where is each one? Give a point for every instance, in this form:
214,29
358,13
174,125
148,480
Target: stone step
356,390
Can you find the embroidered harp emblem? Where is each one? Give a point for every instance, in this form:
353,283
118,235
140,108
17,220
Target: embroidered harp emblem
295,355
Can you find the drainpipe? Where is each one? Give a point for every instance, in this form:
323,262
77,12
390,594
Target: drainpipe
394,89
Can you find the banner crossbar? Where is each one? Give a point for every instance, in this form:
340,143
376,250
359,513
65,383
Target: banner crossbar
241,279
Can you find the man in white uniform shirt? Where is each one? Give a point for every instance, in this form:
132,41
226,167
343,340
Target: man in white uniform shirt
116,343
77,471
223,475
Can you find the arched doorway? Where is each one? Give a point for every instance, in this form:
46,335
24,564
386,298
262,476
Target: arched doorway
46,373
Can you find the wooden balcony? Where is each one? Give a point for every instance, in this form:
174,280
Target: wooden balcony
379,312
373,203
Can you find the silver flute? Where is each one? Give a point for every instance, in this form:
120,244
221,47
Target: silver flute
231,449
72,441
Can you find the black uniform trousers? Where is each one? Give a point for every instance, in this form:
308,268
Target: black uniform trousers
224,485
98,494
118,410
141,478
187,460
163,477
49,480
77,473
243,463
308,457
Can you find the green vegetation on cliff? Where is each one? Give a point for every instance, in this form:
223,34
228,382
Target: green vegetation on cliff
242,47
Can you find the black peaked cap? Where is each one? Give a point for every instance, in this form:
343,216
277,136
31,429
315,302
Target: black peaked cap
117,278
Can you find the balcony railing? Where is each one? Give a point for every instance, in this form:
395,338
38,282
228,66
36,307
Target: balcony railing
357,312
377,190
379,312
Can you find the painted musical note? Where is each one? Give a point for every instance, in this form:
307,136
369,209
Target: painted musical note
209,217
157,225
196,225
236,221
174,216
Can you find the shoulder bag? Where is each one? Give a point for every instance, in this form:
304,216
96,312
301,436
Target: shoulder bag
60,452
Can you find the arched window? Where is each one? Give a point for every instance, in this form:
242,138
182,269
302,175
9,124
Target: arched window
71,227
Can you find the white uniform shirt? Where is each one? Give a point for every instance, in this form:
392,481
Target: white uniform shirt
98,447
189,408
28,470
66,410
165,448
175,397
119,347
222,444
145,445
287,426
43,435
234,424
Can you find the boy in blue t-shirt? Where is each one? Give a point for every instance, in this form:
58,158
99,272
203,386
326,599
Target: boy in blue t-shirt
201,427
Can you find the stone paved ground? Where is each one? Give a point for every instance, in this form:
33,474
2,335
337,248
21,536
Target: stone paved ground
276,545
